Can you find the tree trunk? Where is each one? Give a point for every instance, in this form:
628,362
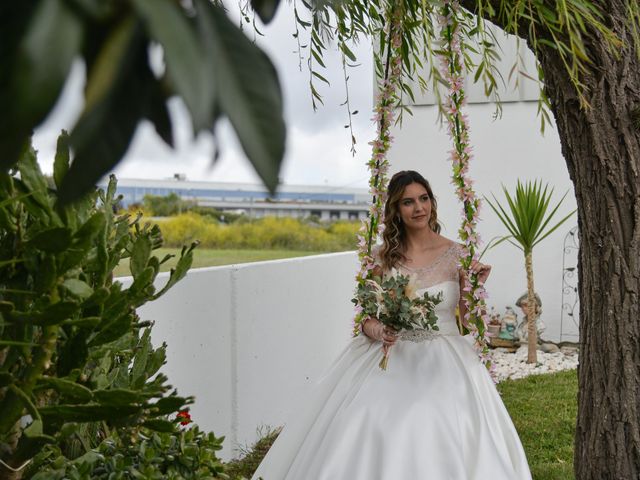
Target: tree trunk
532,331
601,146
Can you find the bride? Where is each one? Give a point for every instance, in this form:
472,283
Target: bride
435,413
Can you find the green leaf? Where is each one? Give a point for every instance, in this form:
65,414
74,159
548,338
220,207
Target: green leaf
178,273
118,397
118,93
266,9
61,162
52,240
158,113
67,388
170,404
47,50
158,425
6,379
138,370
33,179
83,238
78,288
248,92
53,315
87,413
167,24
112,330
35,428
26,400
140,254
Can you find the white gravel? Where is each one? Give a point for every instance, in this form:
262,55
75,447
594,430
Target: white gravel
514,365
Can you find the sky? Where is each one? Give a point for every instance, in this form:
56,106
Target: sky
318,145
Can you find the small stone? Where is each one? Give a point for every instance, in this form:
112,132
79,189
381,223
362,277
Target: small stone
569,350
549,348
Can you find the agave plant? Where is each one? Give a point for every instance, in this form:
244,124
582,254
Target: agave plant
528,224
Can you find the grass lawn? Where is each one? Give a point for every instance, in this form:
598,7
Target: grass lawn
543,409
206,257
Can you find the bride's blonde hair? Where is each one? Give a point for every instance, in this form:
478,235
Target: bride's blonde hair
394,235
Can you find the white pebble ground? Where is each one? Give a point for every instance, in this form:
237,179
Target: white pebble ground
514,365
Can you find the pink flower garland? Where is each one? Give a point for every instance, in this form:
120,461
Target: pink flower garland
378,165
452,69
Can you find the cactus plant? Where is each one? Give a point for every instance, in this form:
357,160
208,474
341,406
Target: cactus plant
76,362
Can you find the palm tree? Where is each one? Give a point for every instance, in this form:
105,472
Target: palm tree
526,226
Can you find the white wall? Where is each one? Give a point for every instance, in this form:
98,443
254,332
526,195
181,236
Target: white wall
249,340
505,150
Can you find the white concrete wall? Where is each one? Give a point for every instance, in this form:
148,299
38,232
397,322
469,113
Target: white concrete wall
505,150
249,340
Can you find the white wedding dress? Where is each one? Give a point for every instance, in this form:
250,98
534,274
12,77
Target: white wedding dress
434,414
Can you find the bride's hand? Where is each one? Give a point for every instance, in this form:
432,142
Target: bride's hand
482,270
375,330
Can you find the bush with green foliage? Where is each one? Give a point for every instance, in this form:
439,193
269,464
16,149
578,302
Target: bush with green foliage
76,362
164,206
187,454
265,233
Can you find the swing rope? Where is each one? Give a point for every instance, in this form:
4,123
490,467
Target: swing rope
378,165
452,70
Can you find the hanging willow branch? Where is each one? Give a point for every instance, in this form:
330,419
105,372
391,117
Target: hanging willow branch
452,67
379,163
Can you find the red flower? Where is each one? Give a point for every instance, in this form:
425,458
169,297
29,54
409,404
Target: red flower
184,417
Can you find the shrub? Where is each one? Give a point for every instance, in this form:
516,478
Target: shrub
164,206
76,362
188,454
247,464
266,233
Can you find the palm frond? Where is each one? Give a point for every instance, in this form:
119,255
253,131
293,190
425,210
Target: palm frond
528,218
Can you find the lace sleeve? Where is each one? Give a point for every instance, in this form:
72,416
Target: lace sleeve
445,268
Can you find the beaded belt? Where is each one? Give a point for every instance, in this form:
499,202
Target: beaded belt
423,334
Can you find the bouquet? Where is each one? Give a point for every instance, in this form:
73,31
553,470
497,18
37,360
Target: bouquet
394,302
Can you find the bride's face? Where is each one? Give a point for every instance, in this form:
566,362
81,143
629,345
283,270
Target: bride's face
414,207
